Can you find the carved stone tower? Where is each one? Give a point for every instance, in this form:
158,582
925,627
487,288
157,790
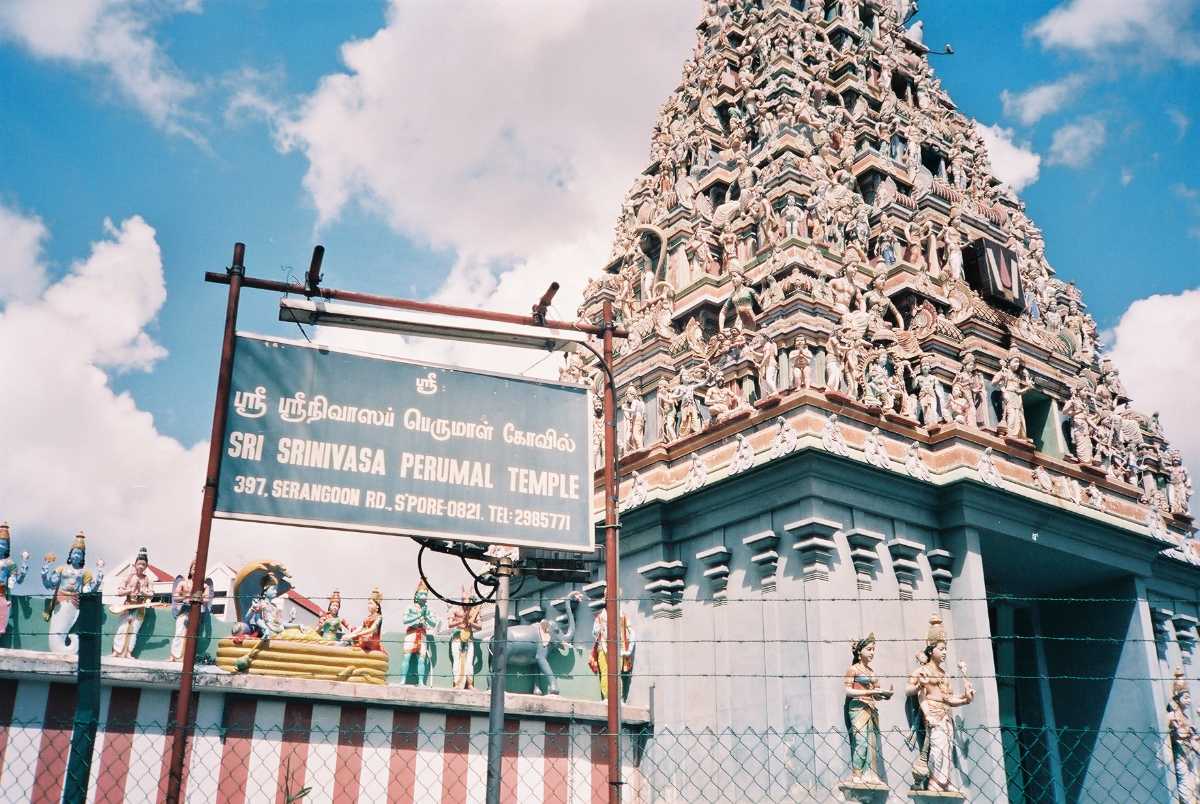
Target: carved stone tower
854,392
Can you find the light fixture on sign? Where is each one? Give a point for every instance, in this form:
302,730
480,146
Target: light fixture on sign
418,322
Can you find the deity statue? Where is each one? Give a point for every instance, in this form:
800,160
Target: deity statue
264,617
66,583
928,388
970,380
11,574
875,451
801,360
953,240
137,592
369,635
464,624
914,465
929,234
1013,381
863,694
793,217
1179,483
419,623
634,424
1185,742
574,369
331,625
846,295
181,592
835,364
668,395
598,662
690,420
767,363
878,307
889,244
1078,409
741,301
931,700
597,443
962,412
877,390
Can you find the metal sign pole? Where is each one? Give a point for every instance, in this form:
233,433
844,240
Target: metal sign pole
499,677
611,604
182,723
87,706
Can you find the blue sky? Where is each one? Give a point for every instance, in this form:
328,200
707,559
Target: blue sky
473,156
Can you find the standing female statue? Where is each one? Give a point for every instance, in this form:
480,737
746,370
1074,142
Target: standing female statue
863,695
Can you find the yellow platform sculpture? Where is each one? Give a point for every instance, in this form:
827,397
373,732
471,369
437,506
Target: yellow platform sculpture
264,643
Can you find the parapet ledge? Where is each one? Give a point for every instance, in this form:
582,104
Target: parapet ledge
39,665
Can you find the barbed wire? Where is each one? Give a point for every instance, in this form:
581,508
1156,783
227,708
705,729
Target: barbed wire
130,673
847,638
1154,600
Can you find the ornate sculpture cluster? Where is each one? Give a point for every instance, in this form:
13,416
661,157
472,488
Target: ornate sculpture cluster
816,212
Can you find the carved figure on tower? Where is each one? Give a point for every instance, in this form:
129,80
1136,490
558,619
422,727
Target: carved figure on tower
1013,381
633,425
738,309
1179,483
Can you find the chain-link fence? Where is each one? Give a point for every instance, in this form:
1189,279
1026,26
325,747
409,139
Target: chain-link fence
389,755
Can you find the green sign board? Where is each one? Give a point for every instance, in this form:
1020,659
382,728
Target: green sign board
332,439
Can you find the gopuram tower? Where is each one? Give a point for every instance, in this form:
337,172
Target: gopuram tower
854,397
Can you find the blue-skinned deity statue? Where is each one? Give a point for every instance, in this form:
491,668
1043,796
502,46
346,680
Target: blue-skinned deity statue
66,583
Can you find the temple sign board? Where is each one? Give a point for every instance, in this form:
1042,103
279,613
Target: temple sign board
318,437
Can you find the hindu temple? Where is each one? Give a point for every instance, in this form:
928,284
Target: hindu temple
891,527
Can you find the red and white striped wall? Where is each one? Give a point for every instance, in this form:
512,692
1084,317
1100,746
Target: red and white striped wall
249,749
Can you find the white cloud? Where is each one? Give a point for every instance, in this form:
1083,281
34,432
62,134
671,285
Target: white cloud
1014,163
80,455
1126,176
1157,351
513,147
1076,143
1181,122
1036,102
1151,28
112,36
22,275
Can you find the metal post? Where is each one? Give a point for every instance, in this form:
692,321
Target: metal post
87,705
182,724
611,603
499,677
